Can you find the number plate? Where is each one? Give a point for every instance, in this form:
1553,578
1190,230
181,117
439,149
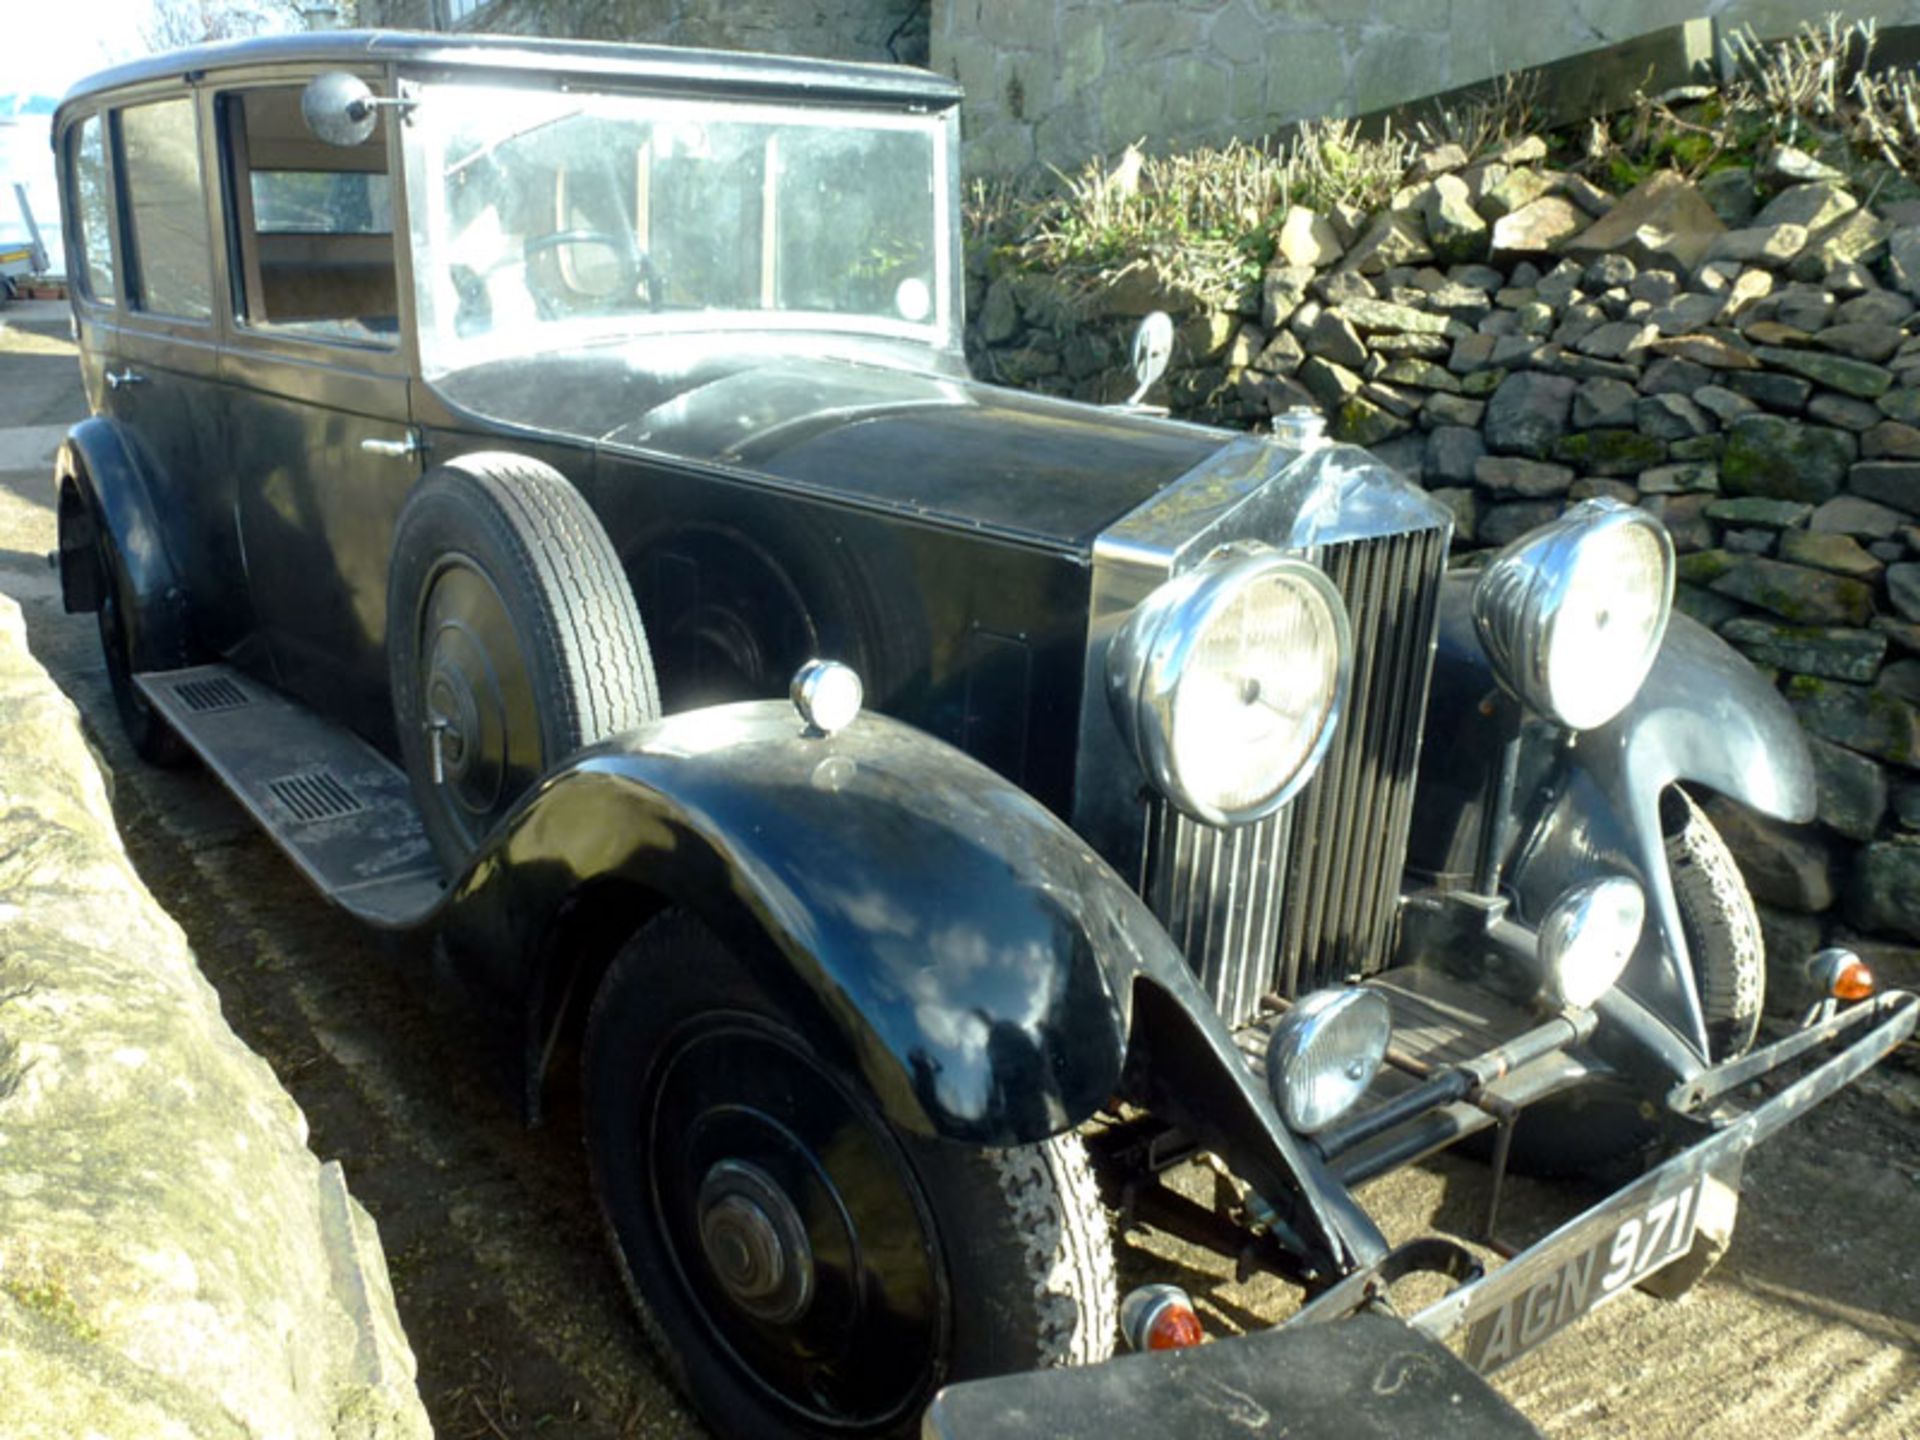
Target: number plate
1563,1288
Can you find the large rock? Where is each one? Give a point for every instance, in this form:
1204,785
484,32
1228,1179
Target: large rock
173,1260
1528,413
1883,892
1662,222
1784,459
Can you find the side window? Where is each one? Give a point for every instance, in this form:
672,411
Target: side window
87,162
167,210
312,224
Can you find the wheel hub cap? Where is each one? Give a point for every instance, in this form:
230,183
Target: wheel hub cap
755,1242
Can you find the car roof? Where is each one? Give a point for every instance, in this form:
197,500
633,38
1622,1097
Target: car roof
706,71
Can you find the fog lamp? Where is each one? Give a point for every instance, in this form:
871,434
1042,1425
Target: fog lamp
1587,939
1324,1054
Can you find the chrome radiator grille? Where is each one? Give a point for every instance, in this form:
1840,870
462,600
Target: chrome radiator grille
1309,896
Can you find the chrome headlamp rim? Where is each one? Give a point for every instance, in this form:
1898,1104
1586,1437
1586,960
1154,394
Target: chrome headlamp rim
1150,652
1521,593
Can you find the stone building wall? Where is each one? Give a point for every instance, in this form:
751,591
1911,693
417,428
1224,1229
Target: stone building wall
836,29
1052,84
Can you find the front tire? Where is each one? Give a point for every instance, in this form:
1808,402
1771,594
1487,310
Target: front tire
806,1269
1721,927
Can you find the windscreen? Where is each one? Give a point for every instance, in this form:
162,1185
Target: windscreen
544,219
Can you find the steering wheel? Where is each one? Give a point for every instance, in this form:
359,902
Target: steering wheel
636,267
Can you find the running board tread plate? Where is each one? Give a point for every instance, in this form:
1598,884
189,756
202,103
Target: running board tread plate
341,810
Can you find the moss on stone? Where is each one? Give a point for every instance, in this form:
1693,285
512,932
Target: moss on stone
1610,452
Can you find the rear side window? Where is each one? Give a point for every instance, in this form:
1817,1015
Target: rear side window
88,159
167,207
319,202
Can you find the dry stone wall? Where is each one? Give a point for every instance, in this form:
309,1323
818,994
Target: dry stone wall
1740,357
173,1260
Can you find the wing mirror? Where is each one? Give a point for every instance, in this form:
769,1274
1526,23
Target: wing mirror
342,109
1152,349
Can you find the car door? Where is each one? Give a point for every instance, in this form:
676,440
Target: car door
161,380
317,421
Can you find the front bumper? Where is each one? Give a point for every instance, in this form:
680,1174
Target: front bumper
1525,1300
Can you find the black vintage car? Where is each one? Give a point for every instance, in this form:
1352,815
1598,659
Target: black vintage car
543,481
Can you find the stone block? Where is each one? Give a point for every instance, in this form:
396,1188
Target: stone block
1307,239
1784,394
1528,413
1796,593
1510,475
1839,553
1604,403
1609,452
1812,206
1670,417
1843,412
1891,482
1795,867
1662,222
1784,459
1869,721
1453,451
1394,238
1540,227
1500,524
1850,515
1833,651
1883,890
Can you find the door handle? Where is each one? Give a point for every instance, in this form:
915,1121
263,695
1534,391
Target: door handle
128,376
397,449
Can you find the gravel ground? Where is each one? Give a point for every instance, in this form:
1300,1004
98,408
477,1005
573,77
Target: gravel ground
1810,1328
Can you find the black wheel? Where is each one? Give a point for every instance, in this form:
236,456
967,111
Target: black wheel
1722,928
805,1269
152,738
512,642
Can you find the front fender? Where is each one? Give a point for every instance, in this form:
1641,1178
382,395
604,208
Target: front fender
970,954
1704,716
101,487
973,953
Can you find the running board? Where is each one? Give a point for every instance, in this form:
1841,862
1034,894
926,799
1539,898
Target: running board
341,810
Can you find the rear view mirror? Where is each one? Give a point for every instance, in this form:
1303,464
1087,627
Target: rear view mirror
340,108
1152,348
